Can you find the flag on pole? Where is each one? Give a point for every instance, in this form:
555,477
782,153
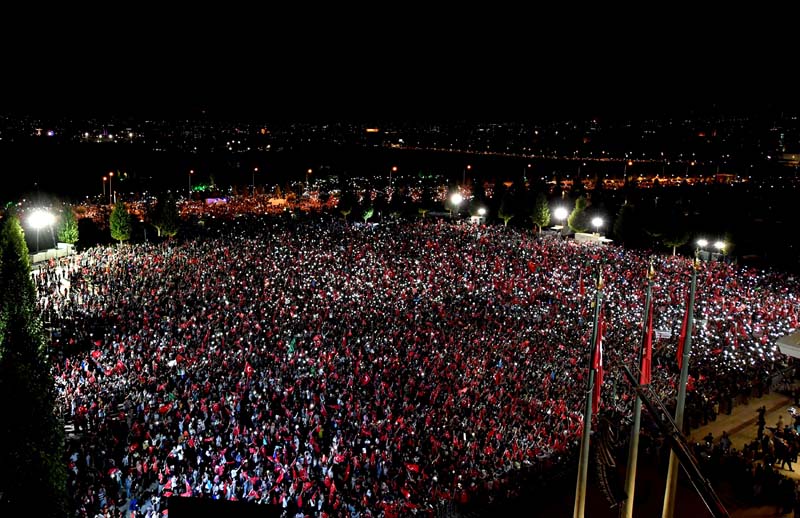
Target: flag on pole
682,337
647,353
598,362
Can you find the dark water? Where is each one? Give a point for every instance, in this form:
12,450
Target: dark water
76,170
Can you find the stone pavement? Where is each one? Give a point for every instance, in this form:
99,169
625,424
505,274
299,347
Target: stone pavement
742,429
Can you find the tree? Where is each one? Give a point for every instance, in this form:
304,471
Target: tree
505,216
120,222
578,220
34,481
367,214
675,239
166,218
540,215
68,228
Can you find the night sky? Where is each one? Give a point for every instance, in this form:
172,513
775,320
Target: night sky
383,68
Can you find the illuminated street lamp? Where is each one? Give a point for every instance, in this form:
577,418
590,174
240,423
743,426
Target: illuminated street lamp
308,173
464,176
719,245
191,172
700,252
597,222
110,189
39,219
255,170
482,212
455,200
561,214
105,179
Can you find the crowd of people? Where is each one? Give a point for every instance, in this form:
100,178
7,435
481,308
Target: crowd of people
367,370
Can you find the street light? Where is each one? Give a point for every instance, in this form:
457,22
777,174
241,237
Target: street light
39,219
308,172
110,189
597,222
455,199
464,177
105,179
561,215
390,191
255,170
482,212
191,172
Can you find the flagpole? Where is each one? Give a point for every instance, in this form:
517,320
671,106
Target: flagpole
672,473
633,447
583,463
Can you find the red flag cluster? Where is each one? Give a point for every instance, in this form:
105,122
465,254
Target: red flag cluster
647,353
682,338
598,361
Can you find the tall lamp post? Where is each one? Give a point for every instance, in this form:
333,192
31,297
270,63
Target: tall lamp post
39,219
464,175
597,222
672,471
110,188
561,215
191,172
253,186
701,245
455,201
720,246
308,173
105,179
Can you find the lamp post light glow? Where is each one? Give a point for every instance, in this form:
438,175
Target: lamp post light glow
482,211
456,200
105,179
560,213
597,222
110,189
191,172
702,243
39,219
719,245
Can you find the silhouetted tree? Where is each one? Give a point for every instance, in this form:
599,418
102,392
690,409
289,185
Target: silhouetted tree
165,217
578,220
33,478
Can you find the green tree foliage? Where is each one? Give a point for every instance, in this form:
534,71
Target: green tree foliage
33,482
578,220
540,215
120,223
68,227
674,238
367,214
166,218
505,216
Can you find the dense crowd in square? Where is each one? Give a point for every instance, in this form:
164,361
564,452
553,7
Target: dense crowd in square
336,369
